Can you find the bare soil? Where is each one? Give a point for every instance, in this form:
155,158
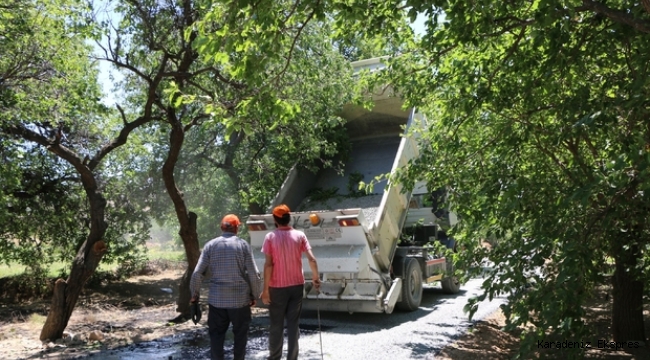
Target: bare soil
486,340
109,315
113,314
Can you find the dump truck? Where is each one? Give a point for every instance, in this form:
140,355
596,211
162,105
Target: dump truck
375,251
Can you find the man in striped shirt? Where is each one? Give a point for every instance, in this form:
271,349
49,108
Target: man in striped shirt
284,281
234,287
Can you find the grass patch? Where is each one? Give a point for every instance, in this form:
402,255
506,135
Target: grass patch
36,319
11,270
154,252
53,271
15,269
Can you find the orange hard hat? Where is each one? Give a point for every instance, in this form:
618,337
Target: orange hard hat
280,210
230,221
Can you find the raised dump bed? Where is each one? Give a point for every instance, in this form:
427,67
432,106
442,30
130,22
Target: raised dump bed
356,236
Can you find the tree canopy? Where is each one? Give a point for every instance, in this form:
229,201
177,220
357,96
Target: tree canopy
49,92
538,123
54,127
243,106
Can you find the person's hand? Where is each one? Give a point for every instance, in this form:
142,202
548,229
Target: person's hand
194,299
316,282
252,303
266,297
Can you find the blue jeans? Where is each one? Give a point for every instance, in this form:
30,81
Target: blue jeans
218,321
286,304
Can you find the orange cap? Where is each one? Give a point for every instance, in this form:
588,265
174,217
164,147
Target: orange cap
230,221
280,210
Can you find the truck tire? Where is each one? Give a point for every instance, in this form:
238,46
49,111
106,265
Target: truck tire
450,284
411,286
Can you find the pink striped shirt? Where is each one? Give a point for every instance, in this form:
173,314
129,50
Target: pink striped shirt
286,245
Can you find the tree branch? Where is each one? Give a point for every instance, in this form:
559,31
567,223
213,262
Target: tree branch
520,23
295,41
119,108
619,16
51,145
195,121
152,97
511,51
552,156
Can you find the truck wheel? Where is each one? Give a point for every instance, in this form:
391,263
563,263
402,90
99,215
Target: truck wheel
450,284
412,286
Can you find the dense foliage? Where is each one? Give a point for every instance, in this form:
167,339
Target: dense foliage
241,129
48,88
54,127
538,123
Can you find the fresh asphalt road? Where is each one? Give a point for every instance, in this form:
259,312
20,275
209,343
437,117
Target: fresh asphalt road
401,335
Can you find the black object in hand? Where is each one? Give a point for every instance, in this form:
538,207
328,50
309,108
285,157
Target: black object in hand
195,310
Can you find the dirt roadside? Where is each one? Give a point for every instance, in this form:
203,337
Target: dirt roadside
118,314
487,341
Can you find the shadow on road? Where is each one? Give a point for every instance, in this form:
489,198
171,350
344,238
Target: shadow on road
355,323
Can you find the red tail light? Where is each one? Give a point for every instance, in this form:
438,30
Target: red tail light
349,222
258,226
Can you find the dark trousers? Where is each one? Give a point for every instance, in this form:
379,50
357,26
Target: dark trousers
218,322
286,304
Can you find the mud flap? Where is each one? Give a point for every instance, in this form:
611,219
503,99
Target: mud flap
393,295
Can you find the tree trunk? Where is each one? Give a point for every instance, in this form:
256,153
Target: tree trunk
627,309
192,252
186,219
66,292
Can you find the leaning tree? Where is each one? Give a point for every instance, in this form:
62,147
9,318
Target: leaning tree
231,90
50,100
